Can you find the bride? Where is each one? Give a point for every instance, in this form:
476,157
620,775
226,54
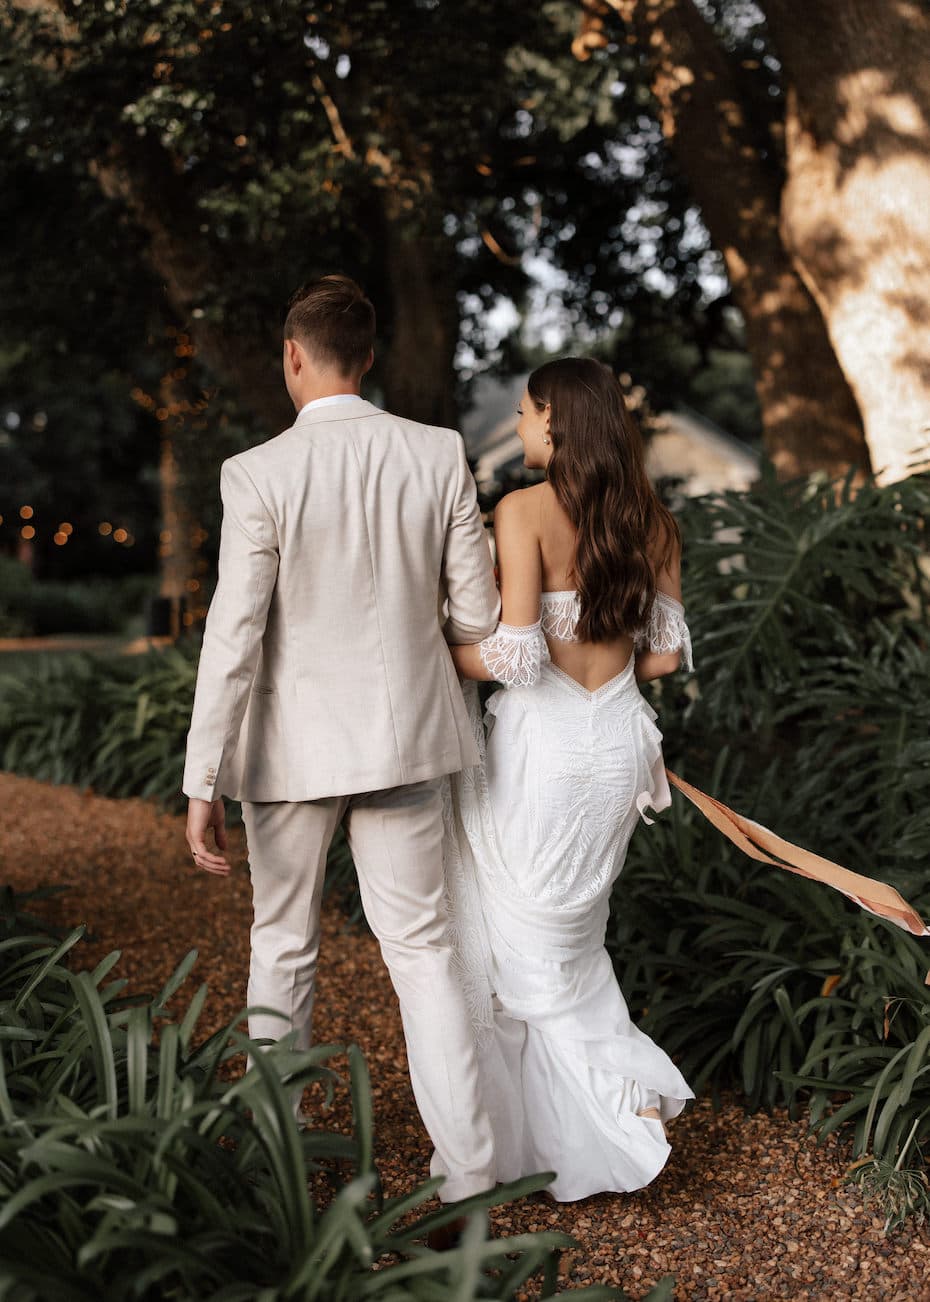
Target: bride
536,835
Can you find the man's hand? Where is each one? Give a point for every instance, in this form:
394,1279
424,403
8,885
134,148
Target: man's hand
202,815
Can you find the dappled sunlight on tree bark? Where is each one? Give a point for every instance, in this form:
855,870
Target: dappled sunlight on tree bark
856,204
809,416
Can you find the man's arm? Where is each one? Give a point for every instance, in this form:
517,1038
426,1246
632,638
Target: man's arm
248,568
468,575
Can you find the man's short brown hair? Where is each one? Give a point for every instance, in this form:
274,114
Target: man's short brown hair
334,321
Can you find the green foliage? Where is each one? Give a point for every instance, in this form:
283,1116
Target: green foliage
899,1191
113,723
15,588
810,712
157,119
131,1166
33,608
118,724
342,882
790,581
876,1048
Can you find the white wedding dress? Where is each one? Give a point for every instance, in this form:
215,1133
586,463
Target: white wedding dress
535,837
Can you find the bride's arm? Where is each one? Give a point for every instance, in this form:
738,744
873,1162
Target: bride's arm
653,664
665,642
520,569
468,662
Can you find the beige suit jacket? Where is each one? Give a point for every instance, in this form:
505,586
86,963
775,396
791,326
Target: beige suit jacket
325,669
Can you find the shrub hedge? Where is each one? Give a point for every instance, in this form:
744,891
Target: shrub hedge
36,608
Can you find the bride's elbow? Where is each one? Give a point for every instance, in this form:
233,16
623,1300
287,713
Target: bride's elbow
651,665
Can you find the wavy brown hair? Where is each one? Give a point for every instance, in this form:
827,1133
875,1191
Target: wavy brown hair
623,533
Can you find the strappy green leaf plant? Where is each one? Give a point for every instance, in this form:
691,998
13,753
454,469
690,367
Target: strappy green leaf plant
780,576
115,723
810,712
132,1165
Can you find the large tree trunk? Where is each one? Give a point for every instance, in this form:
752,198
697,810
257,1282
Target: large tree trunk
418,377
809,417
175,546
419,380
856,206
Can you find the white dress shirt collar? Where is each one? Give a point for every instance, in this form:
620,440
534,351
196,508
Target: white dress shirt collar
329,401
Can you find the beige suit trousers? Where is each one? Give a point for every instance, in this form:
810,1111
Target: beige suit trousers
396,840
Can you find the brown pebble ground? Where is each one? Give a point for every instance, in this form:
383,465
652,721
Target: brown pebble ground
747,1208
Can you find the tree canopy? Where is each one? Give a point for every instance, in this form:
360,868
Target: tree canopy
174,168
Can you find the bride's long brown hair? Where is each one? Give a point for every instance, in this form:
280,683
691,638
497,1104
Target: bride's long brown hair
597,472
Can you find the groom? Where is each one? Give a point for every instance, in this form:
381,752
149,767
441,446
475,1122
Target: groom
326,694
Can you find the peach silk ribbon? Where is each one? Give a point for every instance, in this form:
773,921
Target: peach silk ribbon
761,844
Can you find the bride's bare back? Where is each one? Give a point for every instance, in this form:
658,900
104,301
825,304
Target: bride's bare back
535,547
590,663
536,544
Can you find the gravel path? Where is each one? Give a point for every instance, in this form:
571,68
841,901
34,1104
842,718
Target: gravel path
748,1207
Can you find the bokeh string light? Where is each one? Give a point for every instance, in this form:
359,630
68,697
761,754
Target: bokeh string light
28,535
63,534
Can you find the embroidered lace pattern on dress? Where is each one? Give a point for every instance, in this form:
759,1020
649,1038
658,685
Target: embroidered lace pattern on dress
514,654
665,630
560,611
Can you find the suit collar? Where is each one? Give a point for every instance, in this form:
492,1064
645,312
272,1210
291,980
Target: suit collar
336,411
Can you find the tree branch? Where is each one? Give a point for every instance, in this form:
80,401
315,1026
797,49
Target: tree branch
340,135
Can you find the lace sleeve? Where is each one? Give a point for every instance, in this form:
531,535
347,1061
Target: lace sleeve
665,631
514,655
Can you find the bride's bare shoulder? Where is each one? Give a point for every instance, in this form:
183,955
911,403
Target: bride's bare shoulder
520,506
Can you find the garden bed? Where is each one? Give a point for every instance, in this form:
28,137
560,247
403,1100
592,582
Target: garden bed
749,1207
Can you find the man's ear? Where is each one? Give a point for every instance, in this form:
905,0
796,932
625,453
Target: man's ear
294,354
369,362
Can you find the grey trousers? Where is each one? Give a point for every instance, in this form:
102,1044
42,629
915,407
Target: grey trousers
396,841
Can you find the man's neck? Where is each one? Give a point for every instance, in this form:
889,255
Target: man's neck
329,388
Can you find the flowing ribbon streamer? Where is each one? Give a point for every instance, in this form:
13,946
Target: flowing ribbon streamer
761,844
